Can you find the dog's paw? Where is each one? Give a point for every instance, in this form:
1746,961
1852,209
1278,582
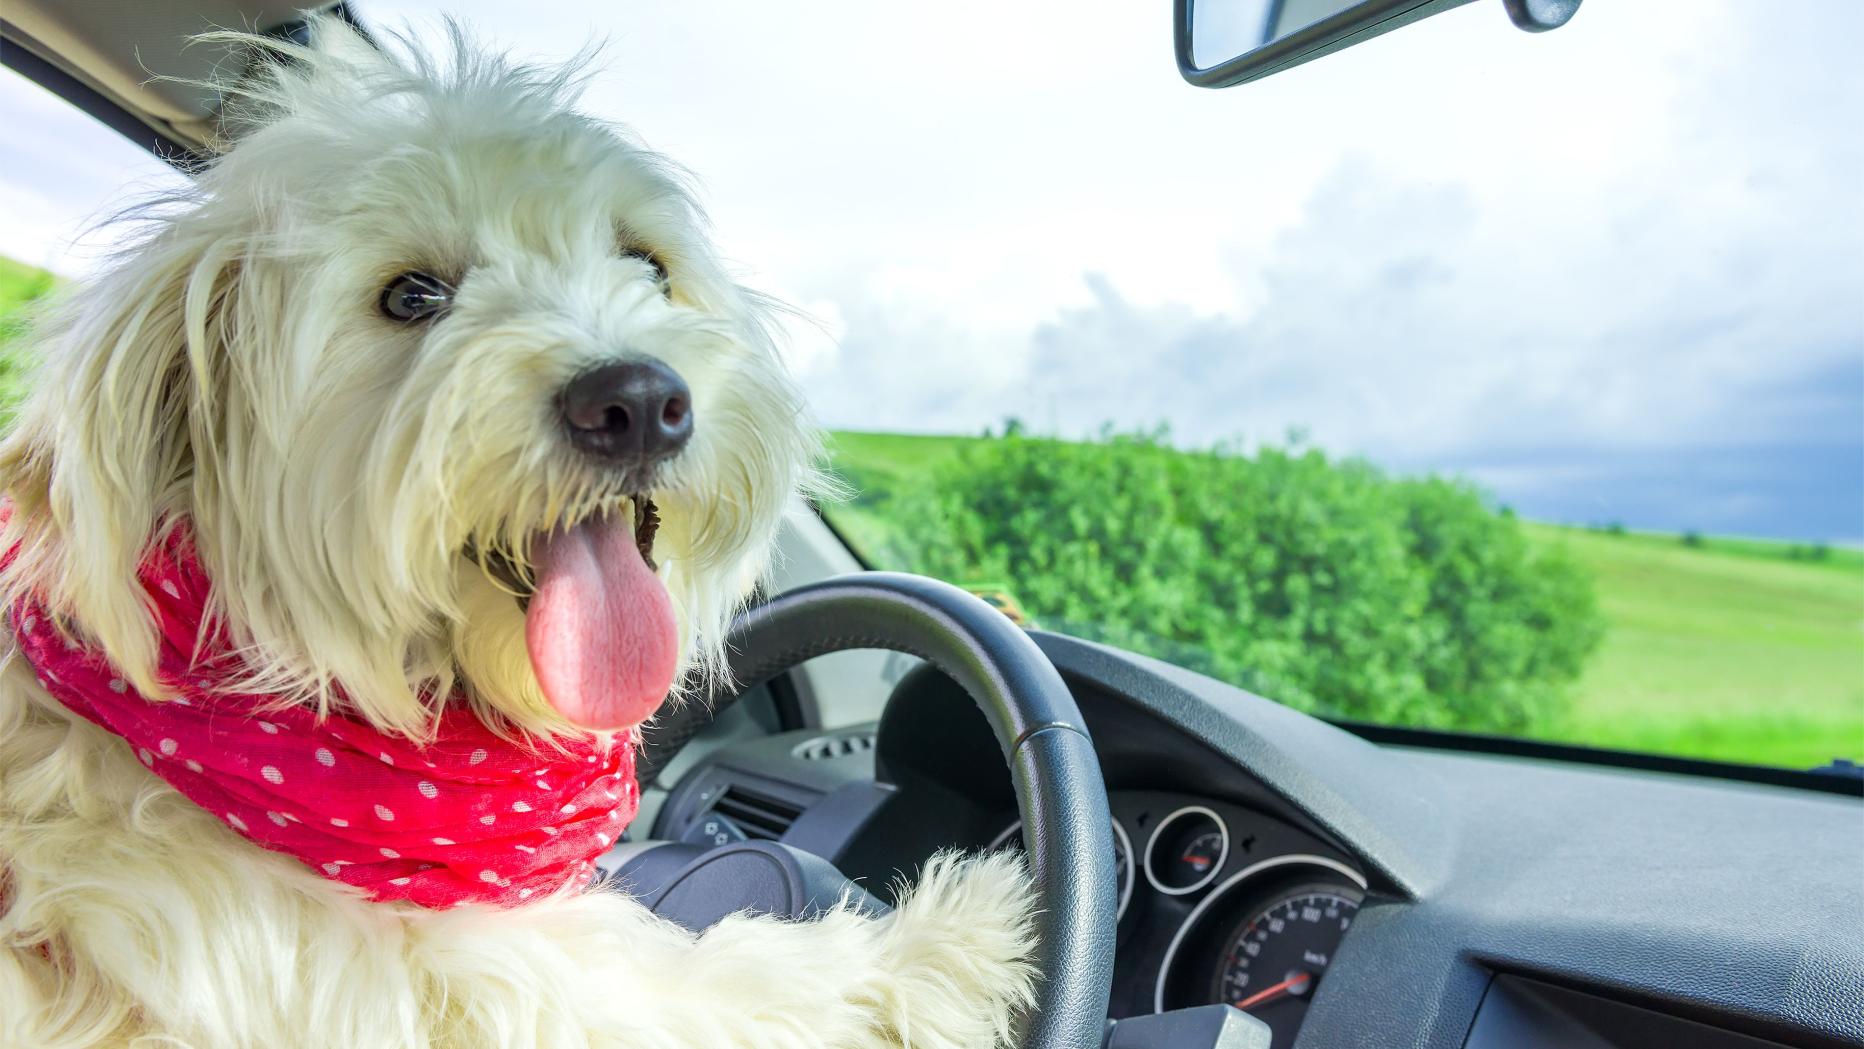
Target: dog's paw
960,953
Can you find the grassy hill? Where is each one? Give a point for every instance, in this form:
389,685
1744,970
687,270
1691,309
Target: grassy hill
1731,649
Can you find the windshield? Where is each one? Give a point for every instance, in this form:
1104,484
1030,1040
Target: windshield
1467,379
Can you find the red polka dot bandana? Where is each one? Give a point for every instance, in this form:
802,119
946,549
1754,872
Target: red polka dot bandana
468,818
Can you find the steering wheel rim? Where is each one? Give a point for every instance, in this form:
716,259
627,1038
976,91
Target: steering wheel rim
1059,791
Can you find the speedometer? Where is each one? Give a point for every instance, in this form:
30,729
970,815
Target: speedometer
1275,958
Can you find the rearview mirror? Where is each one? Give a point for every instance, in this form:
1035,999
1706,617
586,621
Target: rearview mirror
1222,43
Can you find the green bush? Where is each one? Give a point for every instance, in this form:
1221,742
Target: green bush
1320,583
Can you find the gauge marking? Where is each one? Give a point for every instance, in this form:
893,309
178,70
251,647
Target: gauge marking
1277,957
1194,854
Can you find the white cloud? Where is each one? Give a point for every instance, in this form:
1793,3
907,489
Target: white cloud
1637,233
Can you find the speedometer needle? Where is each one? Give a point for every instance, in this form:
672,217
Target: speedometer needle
1292,985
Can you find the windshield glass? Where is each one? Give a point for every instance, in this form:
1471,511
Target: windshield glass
1466,379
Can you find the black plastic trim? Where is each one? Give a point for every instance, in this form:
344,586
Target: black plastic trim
1521,1012
1472,743
787,703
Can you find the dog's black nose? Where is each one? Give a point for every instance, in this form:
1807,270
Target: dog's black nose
633,413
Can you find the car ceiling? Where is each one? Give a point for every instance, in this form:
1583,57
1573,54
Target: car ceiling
134,55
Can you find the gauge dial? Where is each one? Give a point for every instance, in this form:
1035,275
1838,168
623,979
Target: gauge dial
1012,838
1275,959
1187,850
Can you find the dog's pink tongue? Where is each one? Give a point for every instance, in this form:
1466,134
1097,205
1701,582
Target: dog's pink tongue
600,627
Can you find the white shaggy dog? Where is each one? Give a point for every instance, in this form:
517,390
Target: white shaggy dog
347,363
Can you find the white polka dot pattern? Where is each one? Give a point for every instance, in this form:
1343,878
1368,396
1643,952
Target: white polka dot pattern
485,821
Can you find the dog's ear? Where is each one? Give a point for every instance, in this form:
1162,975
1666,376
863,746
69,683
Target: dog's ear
104,450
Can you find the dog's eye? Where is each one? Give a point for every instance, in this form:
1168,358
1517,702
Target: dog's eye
660,268
415,297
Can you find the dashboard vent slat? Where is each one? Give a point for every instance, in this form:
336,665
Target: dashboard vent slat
824,748
758,815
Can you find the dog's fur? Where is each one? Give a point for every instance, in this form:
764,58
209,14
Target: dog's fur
336,468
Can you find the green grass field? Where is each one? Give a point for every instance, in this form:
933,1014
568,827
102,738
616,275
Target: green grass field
1727,651
1731,649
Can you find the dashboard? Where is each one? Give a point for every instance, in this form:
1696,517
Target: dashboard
1351,893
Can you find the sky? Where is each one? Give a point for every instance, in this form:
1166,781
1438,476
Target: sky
1612,273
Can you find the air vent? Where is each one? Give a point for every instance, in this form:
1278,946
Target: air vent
759,816
823,748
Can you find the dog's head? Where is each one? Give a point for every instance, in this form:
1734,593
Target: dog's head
450,386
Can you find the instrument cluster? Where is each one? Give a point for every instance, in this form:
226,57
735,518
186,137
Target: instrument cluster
1221,904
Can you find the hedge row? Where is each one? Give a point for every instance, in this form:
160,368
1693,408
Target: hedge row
1321,583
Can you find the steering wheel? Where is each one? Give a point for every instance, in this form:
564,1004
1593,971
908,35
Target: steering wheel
1059,792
